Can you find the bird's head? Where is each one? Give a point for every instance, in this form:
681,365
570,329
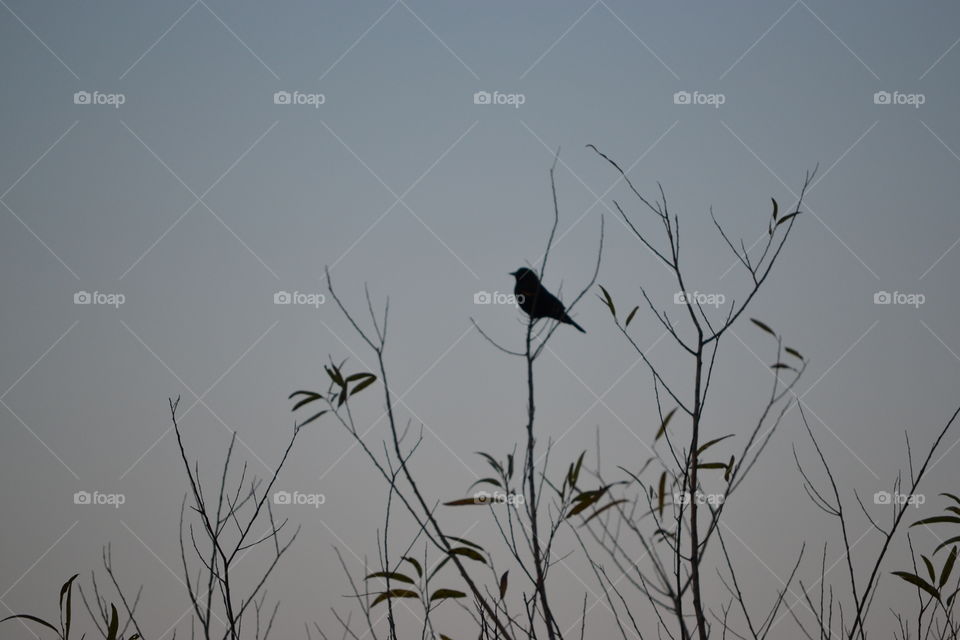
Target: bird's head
524,274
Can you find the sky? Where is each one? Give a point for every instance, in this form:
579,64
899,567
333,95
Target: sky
170,168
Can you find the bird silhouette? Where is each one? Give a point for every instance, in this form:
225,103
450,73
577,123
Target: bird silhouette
536,301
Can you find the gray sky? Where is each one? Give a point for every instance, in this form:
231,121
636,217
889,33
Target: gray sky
199,197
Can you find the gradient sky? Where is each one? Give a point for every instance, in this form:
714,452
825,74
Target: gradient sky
198,198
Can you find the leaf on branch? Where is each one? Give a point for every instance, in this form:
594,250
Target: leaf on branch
26,616
503,584
661,493
587,498
393,575
493,463
930,571
663,425
334,374
311,418
466,542
394,593
712,465
763,326
472,500
492,481
574,474
367,380
604,508
704,447
793,352
416,565
947,543
726,474
443,594
607,300
937,520
114,623
947,567
787,217
305,401
630,316
776,208
917,581
468,553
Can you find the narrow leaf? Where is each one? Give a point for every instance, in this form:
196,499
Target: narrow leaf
442,594
630,316
663,425
947,567
114,623
787,217
608,301
394,593
466,542
763,326
918,582
661,493
793,352
937,520
604,508
503,584
469,553
930,571
32,619
393,575
416,565
706,446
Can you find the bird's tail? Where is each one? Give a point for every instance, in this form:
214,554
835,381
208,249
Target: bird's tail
568,320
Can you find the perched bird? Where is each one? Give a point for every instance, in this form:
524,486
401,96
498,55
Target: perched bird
536,301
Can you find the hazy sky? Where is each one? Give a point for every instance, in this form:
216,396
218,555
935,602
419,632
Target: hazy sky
145,156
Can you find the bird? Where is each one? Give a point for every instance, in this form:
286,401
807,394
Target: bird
536,301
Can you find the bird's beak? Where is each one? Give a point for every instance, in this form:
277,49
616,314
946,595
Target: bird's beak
512,273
